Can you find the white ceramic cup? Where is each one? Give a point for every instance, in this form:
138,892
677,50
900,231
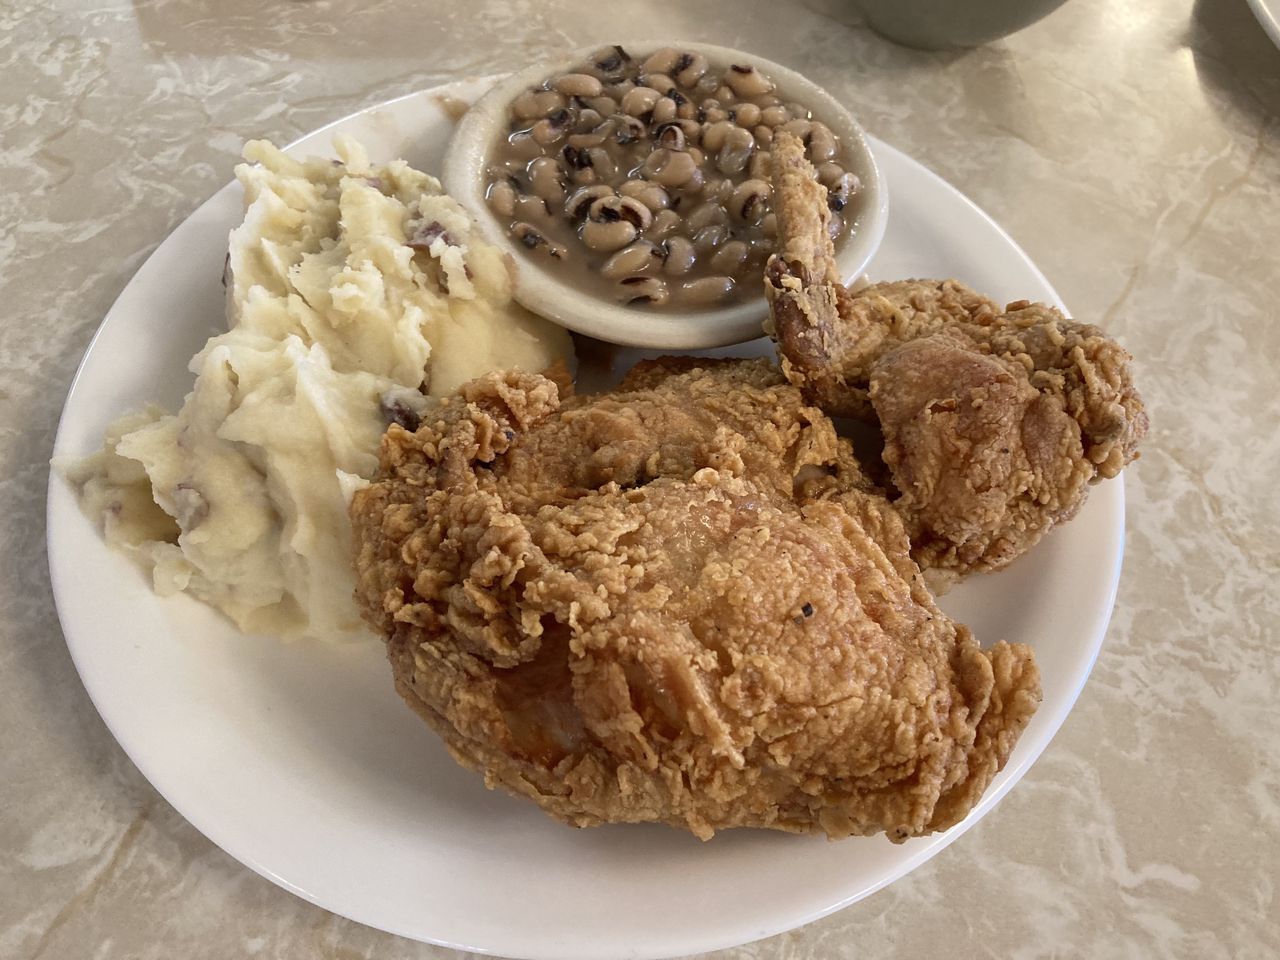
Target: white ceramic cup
548,294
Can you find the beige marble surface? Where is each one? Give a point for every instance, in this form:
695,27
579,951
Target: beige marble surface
1131,146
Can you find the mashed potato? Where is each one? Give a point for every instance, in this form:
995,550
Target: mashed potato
355,295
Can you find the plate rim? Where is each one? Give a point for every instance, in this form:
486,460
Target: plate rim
59,500
1268,19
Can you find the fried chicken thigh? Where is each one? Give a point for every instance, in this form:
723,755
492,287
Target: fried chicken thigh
677,603
995,421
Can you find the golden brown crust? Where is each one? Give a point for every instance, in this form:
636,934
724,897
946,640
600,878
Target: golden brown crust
994,421
648,374
802,283
800,203
712,625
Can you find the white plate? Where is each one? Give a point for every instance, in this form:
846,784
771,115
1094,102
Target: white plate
1268,14
301,761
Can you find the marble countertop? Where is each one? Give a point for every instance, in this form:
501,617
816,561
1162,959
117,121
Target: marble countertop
1132,147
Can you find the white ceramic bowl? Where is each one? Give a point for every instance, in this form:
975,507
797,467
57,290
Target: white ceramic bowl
544,293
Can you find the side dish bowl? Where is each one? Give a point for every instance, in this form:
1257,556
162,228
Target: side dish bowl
542,291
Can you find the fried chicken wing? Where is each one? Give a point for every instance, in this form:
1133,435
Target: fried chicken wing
994,421
710,624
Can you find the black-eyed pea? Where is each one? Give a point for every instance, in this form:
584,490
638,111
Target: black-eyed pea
605,106
627,130
641,257
835,226
587,120
746,115
502,198
525,106
532,238
760,251
595,138
735,153
577,85
764,136
707,86
725,94
648,193
708,239
750,201
822,143
746,81
670,136
670,168
714,134
679,256
718,189
546,179
691,127
704,291
608,235
574,159
665,223
643,290
798,127
639,101
551,128
633,210
548,102
688,69
532,208
607,61
829,173
729,258
518,173
769,225
705,215
605,208
842,191
579,203
522,146
775,116
507,168
664,111
601,161
662,60
618,90
759,165
658,81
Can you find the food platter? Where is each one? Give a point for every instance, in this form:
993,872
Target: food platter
301,761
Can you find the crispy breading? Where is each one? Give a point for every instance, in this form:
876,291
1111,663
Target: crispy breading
677,603
994,421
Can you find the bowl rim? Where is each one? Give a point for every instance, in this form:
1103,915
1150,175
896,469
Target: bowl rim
544,293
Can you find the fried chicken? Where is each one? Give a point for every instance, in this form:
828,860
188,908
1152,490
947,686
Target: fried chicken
995,421
676,603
